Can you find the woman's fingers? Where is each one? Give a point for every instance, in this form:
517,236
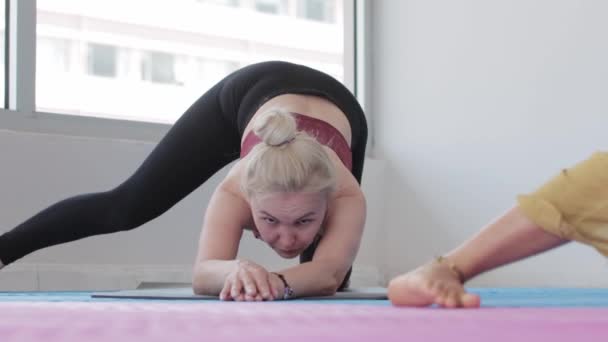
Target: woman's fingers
225,293
237,287
262,283
251,281
248,283
257,282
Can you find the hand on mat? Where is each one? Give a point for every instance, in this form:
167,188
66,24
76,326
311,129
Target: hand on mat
250,282
433,283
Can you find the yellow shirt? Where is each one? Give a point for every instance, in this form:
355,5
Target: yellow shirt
574,204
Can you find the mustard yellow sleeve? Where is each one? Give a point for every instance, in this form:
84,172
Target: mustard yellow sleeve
541,212
574,203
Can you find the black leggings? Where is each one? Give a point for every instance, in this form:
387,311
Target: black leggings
206,138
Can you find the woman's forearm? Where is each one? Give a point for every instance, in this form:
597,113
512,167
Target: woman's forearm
315,278
209,276
509,238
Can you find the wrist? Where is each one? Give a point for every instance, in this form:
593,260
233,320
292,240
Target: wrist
287,292
242,263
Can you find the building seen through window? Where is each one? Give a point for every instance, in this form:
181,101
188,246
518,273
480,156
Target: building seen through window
149,60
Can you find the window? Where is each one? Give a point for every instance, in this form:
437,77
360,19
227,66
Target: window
158,67
150,66
319,10
101,60
271,6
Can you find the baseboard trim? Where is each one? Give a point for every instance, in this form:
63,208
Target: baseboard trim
96,277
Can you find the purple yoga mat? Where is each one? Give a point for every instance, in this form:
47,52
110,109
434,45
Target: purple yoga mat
229,321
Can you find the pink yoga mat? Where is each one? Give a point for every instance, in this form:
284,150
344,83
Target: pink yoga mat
216,321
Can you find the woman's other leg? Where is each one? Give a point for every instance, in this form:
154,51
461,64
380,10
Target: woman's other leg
199,144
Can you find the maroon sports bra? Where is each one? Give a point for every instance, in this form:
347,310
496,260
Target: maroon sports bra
322,131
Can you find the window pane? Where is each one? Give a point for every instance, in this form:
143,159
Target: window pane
319,10
158,67
271,6
128,59
102,60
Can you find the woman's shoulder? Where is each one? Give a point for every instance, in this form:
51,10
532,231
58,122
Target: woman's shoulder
347,184
232,181
230,190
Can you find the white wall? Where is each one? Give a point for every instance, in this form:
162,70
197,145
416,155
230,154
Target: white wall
39,169
474,102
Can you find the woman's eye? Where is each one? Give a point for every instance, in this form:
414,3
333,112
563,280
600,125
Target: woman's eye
269,220
303,222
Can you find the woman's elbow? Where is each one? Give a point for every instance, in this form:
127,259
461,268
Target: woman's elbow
201,284
198,287
331,286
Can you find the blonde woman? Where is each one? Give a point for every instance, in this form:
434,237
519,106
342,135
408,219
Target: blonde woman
301,138
572,206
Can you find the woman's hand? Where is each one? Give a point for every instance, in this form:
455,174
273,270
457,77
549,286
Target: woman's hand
251,282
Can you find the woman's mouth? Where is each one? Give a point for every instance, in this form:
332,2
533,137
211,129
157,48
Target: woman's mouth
290,252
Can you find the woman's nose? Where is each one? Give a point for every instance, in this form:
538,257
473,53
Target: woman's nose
287,240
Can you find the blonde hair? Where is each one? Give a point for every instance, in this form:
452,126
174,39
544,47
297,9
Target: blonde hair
286,160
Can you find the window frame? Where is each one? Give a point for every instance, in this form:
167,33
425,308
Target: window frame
20,115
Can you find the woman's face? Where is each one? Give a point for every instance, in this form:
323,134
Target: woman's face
289,221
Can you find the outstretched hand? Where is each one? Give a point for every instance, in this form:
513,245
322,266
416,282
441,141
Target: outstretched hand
251,282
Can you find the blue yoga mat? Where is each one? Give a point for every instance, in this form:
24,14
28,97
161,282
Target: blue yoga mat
185,293
490,297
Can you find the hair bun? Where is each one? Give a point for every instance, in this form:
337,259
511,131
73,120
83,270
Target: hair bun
276,127
300,164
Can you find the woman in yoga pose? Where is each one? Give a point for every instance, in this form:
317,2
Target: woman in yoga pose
301,138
